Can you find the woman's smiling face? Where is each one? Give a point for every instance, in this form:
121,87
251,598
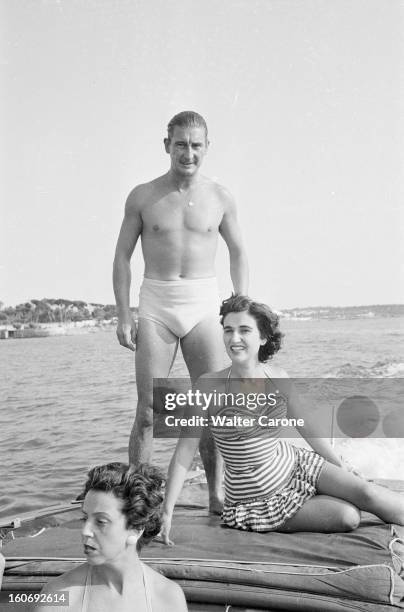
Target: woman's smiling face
104,533
242,337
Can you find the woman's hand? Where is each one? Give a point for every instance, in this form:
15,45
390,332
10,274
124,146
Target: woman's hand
165,529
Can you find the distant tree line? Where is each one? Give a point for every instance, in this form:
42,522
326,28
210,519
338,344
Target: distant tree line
64,311
337,312
55,311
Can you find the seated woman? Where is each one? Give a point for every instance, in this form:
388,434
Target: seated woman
271,485
121,513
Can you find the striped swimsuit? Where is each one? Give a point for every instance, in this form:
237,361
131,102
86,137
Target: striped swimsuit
266,479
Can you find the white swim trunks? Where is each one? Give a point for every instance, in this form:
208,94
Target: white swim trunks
179,305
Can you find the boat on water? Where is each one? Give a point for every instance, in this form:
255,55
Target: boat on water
226,569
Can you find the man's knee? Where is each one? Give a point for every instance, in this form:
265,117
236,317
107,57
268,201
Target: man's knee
144,415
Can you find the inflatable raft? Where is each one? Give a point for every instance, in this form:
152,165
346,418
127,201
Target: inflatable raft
229,570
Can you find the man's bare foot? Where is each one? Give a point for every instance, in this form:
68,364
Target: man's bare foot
215,506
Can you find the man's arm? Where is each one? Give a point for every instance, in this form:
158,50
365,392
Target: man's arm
130,231
231,234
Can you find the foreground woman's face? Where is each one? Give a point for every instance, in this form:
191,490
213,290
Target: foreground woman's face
104,532
241,336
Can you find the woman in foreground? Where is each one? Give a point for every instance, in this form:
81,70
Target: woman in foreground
271,485
121,513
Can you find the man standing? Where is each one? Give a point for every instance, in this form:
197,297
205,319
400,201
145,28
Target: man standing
179,216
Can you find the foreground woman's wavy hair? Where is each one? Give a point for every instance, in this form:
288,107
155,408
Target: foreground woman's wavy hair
141,492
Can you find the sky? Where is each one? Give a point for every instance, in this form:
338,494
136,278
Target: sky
302,99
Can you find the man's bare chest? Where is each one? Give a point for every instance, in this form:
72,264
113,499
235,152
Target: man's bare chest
182,214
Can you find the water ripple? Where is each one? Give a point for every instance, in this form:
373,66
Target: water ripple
71,399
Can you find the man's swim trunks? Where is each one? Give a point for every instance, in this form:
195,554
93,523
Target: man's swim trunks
179,305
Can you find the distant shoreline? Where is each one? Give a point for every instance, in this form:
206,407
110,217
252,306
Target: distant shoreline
56,329
50,317
344,312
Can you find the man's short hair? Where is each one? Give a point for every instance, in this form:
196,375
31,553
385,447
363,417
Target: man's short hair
187,119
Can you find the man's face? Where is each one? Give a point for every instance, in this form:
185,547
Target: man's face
187,147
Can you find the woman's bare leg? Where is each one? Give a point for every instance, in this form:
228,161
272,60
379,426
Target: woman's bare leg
341,495
337,482
324,514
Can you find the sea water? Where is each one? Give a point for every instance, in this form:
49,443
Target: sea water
68,402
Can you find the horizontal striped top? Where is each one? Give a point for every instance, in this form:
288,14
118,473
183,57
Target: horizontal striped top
257,462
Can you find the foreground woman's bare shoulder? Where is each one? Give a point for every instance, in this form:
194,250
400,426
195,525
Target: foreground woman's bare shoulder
72,583
166,595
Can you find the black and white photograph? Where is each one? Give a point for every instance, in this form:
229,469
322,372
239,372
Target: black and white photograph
202,306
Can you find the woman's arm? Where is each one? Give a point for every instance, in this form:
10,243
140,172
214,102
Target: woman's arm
311,431
185,452
179,466
324,448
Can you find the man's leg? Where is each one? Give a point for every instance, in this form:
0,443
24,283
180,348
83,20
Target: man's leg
156,348
203,352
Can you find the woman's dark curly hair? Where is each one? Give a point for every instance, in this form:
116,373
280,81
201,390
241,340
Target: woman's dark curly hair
267,322
141,492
